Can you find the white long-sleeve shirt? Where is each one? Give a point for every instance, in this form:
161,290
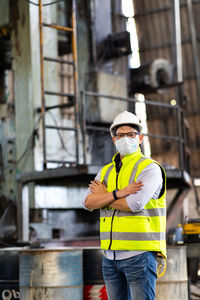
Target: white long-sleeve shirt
151,178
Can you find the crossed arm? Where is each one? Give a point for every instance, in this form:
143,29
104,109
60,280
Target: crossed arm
99,196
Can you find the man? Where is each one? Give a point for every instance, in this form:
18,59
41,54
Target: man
130,193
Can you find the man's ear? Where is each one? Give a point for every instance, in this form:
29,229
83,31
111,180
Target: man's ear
141,138
114,139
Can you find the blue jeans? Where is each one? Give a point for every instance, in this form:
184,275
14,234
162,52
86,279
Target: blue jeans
133,278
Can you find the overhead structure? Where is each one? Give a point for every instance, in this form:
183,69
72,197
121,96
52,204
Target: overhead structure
170,31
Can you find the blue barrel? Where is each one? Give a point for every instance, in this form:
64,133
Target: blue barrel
51,274
9,273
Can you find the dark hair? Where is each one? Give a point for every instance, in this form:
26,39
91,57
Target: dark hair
114,130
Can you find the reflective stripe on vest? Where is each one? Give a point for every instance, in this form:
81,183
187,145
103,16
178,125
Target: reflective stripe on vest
135,236
153,212
107,174
132,177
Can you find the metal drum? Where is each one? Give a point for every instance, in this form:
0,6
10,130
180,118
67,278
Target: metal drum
174,284
51,274
9,273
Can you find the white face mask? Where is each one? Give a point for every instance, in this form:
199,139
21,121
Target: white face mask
126,145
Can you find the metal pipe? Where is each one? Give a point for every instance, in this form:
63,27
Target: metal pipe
98,128
148,102
93,32
76,87
177,40
61,161
180,128
61,61
23,213
58,94
68,29
60,106
83,126
60,128
194,46
42,86
173,138
62,81
165,137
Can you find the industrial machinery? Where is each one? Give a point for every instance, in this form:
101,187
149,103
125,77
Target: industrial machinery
191,231
64,76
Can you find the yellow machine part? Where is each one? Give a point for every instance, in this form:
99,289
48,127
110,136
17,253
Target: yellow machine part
191,228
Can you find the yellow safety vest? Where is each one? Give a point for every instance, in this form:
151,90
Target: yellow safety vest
125,230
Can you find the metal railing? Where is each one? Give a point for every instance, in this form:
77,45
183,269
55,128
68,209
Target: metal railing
179,138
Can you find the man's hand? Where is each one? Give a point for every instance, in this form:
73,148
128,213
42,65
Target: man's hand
130,189
121,203
97,187
100,197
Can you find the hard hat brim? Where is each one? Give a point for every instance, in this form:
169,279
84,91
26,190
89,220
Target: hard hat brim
122,124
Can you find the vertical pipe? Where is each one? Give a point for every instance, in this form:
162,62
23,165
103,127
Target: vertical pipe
62,84
42,86
179,74
23,213
92,32
194,46
181,161
177,39
180,127
74,50
19,213
83,126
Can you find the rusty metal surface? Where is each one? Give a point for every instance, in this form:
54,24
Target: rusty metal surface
51,274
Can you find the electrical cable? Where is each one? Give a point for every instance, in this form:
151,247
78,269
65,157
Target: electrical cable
30,142
46,4
29,146
30,2
27,149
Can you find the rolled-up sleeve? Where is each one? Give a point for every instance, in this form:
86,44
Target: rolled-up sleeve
87,192
151,178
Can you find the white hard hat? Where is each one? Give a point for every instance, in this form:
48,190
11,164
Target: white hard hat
124,118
